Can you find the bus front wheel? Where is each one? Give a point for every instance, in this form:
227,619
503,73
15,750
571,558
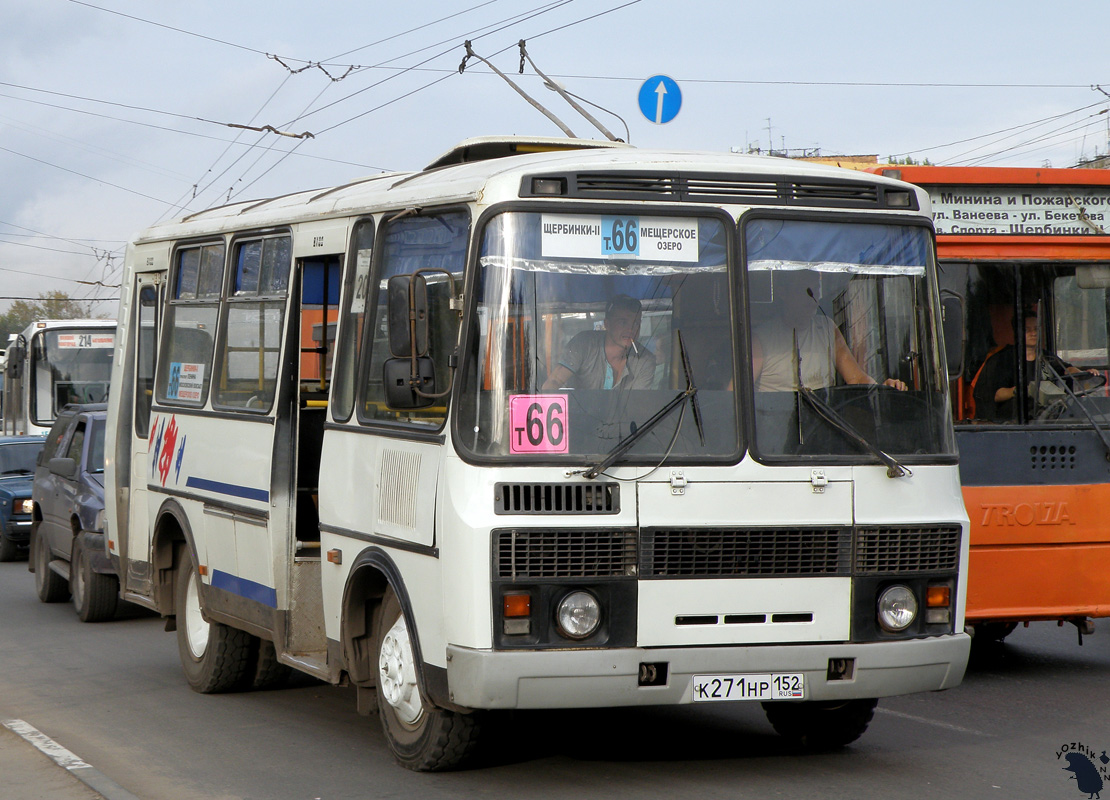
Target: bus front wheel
821,725
214,656
421,736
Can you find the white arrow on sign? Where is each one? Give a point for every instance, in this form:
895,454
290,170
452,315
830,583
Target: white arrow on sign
660,95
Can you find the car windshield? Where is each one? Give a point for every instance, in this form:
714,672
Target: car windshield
574,340
18,458
844,310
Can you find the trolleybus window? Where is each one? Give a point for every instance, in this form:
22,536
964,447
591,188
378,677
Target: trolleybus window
249,354
574,343
838,306
430,242
1036,347
185,369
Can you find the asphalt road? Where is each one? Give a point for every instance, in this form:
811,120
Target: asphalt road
113,694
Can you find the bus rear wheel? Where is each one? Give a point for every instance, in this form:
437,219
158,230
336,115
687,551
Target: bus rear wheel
421,736
821,725
214,656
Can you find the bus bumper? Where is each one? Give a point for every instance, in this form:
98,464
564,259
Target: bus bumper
604,678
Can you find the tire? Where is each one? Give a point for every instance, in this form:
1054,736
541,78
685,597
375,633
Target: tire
215,657
821,725
49,585
9,550
95,595
421,736
268,672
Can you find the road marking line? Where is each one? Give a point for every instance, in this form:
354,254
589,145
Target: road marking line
937,723
58,754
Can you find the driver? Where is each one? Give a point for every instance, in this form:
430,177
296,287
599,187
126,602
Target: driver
995,385
797,340
609,358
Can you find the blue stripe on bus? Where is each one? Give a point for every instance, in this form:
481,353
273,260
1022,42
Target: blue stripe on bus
244,588
234,490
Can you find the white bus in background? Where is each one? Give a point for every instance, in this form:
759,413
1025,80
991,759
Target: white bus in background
414,513
52,363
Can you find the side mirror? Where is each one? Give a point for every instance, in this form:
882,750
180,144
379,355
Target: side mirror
408,302
952,328
64,467
403,377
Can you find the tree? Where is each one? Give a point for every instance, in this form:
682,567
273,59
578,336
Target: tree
50,305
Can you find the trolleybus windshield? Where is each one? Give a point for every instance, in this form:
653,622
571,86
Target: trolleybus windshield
69,366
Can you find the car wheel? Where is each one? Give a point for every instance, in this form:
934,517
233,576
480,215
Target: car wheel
49,585
421,736
214,656
95,595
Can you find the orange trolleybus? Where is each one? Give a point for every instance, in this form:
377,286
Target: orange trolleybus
1025,272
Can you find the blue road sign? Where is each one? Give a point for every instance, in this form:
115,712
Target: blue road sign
660,99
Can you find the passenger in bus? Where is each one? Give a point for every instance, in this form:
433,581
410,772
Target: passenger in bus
995,384
795,340
610,358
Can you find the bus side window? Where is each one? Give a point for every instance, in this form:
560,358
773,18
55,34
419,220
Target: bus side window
185,369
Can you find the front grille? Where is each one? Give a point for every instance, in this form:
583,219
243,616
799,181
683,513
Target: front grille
721,188
557,498
745,552
564,553
906,550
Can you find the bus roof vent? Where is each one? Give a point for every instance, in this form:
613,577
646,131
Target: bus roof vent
717,188
484,148
557,498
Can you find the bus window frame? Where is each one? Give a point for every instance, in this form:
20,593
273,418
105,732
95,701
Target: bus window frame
228,300
166,335
609,208
347,339
404,428
873,218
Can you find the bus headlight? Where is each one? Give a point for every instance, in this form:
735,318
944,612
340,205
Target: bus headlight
578,615
897,608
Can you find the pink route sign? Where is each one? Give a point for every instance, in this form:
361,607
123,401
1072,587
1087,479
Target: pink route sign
538,423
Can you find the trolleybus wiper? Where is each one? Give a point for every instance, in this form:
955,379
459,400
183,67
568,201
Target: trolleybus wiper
1059,380
690,393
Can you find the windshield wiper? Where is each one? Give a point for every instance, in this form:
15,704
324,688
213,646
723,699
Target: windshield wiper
833,417
1061,381
690,393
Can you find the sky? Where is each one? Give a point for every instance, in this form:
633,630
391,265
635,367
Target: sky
116,114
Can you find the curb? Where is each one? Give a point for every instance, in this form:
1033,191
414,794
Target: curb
82,771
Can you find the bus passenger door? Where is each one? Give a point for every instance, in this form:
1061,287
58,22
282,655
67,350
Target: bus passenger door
134,539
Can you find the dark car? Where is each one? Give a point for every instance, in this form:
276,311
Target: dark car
18,455
68,552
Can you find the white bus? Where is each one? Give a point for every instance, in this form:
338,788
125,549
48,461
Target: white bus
450,511
52,363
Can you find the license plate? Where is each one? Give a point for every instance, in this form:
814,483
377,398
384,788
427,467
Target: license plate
759,686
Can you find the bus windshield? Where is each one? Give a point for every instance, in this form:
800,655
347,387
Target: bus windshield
574,343
841,309
69,366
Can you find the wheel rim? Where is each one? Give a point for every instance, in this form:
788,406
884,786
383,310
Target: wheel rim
196,628
397,675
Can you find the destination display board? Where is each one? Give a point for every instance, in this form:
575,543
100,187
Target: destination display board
1021,210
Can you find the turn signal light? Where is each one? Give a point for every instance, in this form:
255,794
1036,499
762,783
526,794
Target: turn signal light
518,604
938,597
